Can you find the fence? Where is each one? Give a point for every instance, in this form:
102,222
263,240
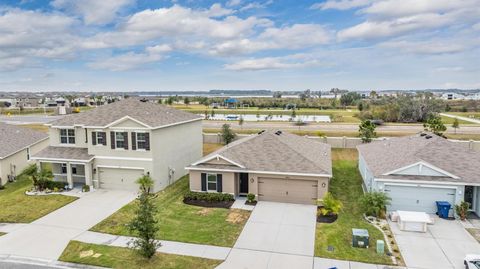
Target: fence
337,142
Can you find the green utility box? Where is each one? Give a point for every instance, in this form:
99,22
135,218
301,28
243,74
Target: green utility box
380,246
360,238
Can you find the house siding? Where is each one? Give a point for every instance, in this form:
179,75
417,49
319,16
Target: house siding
20,161
229,181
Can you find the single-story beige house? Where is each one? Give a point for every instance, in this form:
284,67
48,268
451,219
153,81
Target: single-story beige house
273,165
18,144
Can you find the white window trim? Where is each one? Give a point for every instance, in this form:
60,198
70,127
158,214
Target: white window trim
216,182
116,140
96,138
136,141
67,136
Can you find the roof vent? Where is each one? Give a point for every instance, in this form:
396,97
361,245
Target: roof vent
143,100
261,132
428,136
278,132
423,134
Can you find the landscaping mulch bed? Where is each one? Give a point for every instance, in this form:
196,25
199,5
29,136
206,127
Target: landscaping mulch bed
203,203
327,218
252,203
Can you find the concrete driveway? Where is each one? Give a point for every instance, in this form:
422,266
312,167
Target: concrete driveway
48,236
277,235
443,246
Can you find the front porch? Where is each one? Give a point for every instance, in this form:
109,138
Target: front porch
70,165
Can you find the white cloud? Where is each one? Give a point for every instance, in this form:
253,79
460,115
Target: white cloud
93,11
216,10
126,61
233,3
256,5
256,64
163,48
341,4
427,47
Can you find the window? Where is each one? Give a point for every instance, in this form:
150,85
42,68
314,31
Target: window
64,168
28,154
119,140
74,169
211,182
67,136
141,141
100,138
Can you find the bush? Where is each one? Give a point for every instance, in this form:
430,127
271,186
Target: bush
86,188
30,170
55,184
462,209
2,187
375,203
331,206
251,198
209,196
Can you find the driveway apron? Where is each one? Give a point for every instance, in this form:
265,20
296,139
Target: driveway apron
277,235
47,237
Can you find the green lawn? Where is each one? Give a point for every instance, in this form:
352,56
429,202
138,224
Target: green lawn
346,186
181,222
118,257
17,207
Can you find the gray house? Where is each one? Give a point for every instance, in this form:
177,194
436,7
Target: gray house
416,171
113,145
273,165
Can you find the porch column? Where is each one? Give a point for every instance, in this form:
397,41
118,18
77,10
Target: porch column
39,165
69,175
88,174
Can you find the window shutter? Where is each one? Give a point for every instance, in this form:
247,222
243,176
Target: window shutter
94,138
219,183
104,136
147,141
204,182
125,137
134,141
112,139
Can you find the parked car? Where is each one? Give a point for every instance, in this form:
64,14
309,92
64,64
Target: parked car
472,261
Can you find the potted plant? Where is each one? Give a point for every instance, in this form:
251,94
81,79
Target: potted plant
462,210
328,208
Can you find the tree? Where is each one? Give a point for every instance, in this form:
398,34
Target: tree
186,100
455,125
294,114
375,203
435,125
367,131
144,224
169,101
227,134
277,94
349,98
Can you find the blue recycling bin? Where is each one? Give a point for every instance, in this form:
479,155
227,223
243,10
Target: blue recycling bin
443,207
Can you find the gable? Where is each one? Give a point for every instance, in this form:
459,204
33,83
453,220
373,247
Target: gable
128,123
421,169
217,159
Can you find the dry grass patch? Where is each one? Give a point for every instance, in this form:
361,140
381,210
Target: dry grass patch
237,216
210,147
205,211
344,154
36,127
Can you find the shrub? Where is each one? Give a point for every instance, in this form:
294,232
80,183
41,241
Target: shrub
209,196
30,170
2,187
374,203
462,209
251,198
86,188
55,185
331,206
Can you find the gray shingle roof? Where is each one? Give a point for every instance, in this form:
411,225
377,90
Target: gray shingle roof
14,138
64,153
388,155
153,115
286,153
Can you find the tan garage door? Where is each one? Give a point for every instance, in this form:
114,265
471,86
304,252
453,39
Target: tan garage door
287,190
119,179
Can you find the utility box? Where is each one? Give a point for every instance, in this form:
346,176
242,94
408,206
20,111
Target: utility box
360,238
380,246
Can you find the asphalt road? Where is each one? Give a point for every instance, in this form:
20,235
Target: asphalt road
353,127
33,265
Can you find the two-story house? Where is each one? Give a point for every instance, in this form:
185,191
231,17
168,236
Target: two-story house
113,145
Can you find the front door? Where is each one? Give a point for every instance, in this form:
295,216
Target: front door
470,196
243,183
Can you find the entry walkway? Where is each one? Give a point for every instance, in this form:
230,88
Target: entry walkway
47,237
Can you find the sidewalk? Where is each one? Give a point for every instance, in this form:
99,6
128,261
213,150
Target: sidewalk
461,118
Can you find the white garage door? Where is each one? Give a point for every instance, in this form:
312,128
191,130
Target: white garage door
287,190
418,198
119,179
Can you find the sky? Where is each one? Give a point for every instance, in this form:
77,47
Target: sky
159,45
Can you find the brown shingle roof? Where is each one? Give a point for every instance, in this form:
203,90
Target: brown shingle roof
388,155
64,153
14,138
153,115
286,153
